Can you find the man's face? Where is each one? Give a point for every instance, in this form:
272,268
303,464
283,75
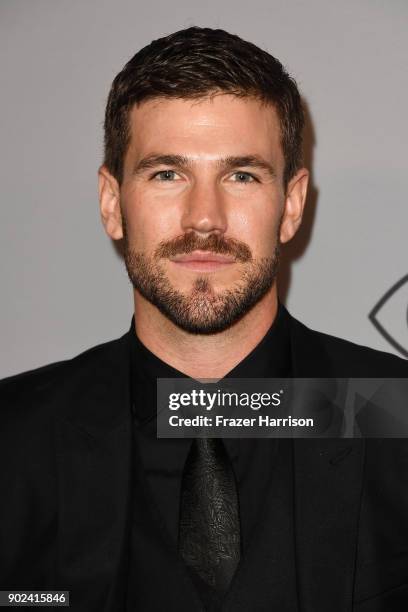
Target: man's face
202,201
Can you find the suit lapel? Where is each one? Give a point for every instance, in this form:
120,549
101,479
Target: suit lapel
327,482
327,491
93,433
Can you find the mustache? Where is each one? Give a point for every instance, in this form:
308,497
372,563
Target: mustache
215,243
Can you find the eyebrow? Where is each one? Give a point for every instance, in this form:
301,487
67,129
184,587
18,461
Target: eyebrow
181,162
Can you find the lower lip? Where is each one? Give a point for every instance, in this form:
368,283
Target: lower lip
203,266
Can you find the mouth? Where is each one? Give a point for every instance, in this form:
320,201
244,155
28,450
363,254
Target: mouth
203,261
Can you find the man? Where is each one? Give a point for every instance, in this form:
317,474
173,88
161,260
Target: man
203,180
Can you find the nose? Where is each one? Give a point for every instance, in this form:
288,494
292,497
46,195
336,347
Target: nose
204,210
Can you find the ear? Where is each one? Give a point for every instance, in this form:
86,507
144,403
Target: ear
109,201
294,204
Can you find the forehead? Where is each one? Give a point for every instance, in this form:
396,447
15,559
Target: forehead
212,127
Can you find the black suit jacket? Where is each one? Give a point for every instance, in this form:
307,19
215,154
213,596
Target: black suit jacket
66,453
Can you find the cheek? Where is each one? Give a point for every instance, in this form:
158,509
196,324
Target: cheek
258,228
149,221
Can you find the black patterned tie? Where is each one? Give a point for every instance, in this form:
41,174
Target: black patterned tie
209,528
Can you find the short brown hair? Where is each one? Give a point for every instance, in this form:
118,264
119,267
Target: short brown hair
195,63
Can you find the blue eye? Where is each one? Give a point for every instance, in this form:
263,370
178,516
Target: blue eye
244,177
167,175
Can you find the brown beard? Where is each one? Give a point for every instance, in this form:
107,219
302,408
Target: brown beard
201,311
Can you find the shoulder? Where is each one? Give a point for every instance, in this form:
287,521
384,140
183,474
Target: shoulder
347,358
34,403
31,391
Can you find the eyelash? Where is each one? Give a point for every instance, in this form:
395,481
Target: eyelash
153,176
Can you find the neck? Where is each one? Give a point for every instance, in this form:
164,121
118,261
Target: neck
200,355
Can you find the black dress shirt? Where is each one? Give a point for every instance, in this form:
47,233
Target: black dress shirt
163,458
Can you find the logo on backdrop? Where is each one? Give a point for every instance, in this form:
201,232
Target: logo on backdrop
390,316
